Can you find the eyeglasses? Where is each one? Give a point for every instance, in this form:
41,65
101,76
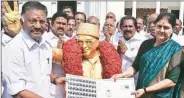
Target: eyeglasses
109,17
87,42
80,19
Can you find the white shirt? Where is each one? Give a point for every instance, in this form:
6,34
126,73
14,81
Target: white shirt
68,38
142,32
4,42
133,45
28,65
112,39
181,40
178,38
149,36
56,91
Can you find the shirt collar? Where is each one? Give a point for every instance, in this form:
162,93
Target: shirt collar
5,39
52,36
29,41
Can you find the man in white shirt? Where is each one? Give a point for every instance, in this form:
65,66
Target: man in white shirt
108,33
130,42
178,27
71,28
57,35
140,26
151,26
176,36
110,15
28,57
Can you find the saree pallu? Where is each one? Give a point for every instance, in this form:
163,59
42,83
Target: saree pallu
178,87
152,62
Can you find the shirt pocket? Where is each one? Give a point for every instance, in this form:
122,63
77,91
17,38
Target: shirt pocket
47,65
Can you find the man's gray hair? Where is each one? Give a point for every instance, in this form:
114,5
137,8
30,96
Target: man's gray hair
33,5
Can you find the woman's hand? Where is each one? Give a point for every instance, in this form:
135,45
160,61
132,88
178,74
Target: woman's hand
128,73
138,93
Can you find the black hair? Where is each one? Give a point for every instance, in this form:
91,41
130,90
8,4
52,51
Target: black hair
59,14
82,13
169,16
33,5
127,18
67,7
69,18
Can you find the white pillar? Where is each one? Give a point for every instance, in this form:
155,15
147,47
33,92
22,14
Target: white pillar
114,6
53,7
181,14
158,7
80,6
123,8
134,8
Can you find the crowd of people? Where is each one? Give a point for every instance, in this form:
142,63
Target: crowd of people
37,51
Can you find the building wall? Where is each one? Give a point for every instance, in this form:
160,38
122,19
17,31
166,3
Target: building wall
51,6
101,7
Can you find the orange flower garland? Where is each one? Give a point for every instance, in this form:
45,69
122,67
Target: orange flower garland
111,61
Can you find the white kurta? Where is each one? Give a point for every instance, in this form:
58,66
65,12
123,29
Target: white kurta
28,65
133,45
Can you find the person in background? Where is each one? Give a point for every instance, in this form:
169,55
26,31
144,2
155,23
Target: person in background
178,27
55,37
71,28
80,17
111,15
176,36
140,26
93,20
68,10
129,44
108,31
158,62
151,26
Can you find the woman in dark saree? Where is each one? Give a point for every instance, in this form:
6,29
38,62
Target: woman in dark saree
158,62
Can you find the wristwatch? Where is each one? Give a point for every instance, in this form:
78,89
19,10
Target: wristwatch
54,80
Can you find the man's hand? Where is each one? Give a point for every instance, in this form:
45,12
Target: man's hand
12,18
107,36
60,81
60,42
122,48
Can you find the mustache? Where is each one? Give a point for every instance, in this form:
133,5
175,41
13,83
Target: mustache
61,29
70,29
127,31
36,30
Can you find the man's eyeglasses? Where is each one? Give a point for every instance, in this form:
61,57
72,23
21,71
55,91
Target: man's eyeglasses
87,42
80,19
109,17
